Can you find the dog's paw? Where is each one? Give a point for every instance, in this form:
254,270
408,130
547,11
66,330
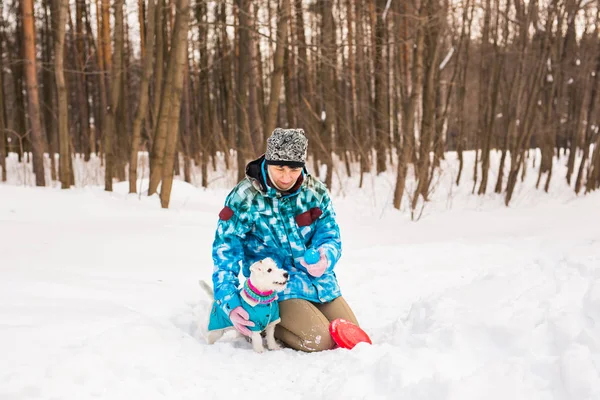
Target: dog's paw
257,342
274,346
258,349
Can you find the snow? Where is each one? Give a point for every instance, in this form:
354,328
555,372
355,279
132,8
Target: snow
99,296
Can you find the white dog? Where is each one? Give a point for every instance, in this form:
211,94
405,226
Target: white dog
259,295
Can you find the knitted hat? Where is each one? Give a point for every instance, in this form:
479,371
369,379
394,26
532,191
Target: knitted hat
287,147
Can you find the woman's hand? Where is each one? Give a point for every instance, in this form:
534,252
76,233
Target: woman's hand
240,320
319,267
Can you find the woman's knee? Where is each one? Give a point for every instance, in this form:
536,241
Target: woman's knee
303,326
312,340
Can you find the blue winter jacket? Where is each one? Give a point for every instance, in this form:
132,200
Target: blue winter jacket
259,221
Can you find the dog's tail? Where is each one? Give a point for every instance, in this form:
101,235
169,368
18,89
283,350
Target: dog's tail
206,287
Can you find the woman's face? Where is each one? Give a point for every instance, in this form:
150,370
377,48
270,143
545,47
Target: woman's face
283,176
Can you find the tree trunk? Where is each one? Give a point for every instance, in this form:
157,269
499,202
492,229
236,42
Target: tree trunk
30,52
590,118
208,137
177,61
82,93
307,117
282,29
49,87
19,129
593,176
160,64
186,127
507,118
411,69
329,87
255,98
513,104
162,159
381,112
115,95
362,93
593,182
245,149
485,81
290,81
101,123
3,149
226,79
430,61
463,58
106,51
545,137
531,95
123,116
351,98
575,99
142,110
63,119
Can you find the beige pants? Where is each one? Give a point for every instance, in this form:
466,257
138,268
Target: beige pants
305,325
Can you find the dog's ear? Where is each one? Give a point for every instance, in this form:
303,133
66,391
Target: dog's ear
256,267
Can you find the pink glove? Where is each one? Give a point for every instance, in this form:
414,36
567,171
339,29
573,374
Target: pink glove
319,268
240,320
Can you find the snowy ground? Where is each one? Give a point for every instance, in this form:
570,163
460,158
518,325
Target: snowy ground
99,298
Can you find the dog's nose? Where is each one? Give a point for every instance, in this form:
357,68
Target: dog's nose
285,275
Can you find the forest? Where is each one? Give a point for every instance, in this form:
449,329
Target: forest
385,84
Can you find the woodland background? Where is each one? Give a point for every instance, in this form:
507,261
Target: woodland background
388,84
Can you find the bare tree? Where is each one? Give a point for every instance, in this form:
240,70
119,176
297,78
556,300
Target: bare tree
32,91
255,86
489,80
142,109
529,90
2,105
101,81
591,129
224,73
411,69
464,45
245,148
362,92
328,74
207,140
161,47
508,123
177,61
593,181
87,144
381,112
282,29
63,115
431,12
115,94
575,86
49,84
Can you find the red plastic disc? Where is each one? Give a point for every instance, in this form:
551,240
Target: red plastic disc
346,334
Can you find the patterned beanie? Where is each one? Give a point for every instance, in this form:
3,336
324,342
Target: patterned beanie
287,147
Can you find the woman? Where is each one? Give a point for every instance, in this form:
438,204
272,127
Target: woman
280,211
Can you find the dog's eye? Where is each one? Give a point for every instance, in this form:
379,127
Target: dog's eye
269,270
